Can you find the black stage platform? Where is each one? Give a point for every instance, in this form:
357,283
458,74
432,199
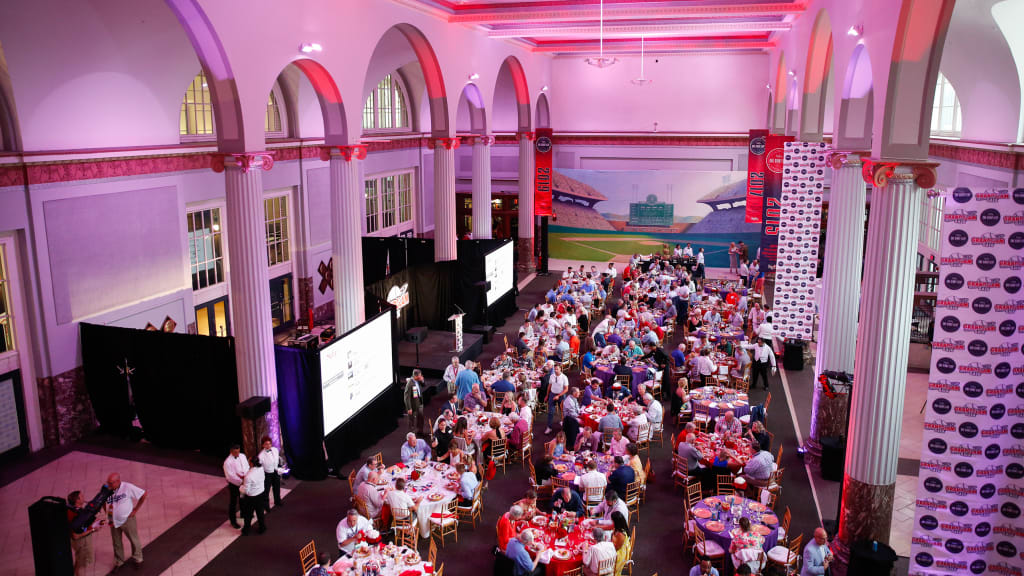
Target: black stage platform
437,351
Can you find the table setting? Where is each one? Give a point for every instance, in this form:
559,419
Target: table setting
709,444
570,466
721,400
382,560
430,484
564,537
590,416
718,517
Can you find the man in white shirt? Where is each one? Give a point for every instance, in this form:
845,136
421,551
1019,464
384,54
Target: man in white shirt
525,412
706,367
401,503
349,529
122,506
235,467
558,386
253,495
270,459
655,411
593,478
600,551
372,497
766,330
688,251
612,503
763,357
612,272
450,372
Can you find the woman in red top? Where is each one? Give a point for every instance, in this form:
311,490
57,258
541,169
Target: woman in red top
507,526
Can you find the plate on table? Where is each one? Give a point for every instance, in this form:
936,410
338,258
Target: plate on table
435,497
712,500
761,529
540,520
562,554
715,526
420,464
758,507
440,466
770,519
702,513
561,467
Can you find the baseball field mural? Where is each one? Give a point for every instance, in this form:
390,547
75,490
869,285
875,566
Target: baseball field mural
608,215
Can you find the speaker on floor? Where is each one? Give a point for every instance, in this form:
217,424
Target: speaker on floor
417,335
793,355
51,539
833,458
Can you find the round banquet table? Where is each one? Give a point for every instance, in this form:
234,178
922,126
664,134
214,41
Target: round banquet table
606,374
570,467
768,525
433,488
722,288
709,444
590,416
393,560
724,333
562,554
730,400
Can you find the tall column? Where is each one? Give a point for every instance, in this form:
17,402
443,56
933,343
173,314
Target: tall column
482,186
346,233
444,199
526,169
840,294
250,280
883,343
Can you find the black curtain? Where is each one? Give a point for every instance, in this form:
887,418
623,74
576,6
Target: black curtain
299,406
378,419
376,300
184,387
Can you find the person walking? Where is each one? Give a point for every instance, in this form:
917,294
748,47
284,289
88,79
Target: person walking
122,505
270,460
734,254
252,492
414,401
235,468
81,540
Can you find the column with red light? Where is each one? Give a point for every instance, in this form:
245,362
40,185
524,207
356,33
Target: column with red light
526,219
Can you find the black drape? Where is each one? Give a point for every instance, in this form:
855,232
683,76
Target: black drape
184,387
299,404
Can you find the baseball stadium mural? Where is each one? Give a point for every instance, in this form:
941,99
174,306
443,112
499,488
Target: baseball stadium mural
605,215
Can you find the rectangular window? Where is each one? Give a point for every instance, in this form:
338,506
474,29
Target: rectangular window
405,197
205,247
372,203
6,322
384,103
276,216
388,201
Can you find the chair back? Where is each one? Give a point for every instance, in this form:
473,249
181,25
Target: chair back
786,518
643,433
499,449
352,480
378,458
307,556
632,493
606,567
559,482
577,571
767,402
778,459
594,495
693,494
432,555
725,486
794,548
440,570
701,409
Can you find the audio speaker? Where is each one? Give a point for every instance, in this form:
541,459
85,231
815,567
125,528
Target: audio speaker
254,407
51,541
417,335
833,458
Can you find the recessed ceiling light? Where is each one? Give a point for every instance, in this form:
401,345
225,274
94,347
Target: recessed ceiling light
855,30
310,47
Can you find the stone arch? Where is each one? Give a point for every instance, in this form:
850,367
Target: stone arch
857,103
471,114
327,93
432,77
543,112
793,107
816,77
511,93
778,124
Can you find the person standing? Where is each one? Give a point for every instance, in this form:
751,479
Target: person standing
558,386
734,253
270,460
122,506
235,467
817,555
253,496
81,541
763,357
414,401
570,418
450,373
464,381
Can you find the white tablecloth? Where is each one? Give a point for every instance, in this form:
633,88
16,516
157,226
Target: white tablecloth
433,480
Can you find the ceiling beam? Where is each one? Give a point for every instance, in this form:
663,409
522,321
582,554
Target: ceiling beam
673,47
636,30
632,11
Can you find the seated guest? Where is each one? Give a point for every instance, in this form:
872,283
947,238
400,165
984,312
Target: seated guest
371,497
369,466
639,419
617,445
546,470
598,552
448,415
591,392
759,468
568,500
556,447
587,440
508,405
729,425
525,412
353,528
521,346
746,546
507,526
679,354
504,385
760,435
451,405
621,540
633,452
467,484
493,433
720,465
704,569
621,477
442,440
689,454
592,478
520,429
655,411
524,564
588,359
399,501
323,566
528,504
612,503
414,449
475,401
609,422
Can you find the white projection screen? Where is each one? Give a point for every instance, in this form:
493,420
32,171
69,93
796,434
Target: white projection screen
498,268
355,369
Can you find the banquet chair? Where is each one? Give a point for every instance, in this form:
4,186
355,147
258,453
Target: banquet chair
625,380
693,494
643,438
775,481
432,554
689,526
647,476
701,414
378,458
768,499
778,459
445,522
606,567
307,556
784,526
440,570
680,475
592,498
577,571
707,550
658,432
499,453
742,385
633,499
363,511
725,485
559,482
352,480
474,511
404,527
525,453
787,556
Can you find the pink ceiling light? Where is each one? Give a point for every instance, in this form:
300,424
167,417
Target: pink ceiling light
601,61
641,81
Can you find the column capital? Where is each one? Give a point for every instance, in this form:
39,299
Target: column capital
483,139
357,151
244,160
878,172
446,143
840,158
528,135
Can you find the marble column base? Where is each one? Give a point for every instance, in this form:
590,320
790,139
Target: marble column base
65,408
527,261
866,515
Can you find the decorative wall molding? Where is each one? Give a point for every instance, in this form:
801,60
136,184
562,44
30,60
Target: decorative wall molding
878,172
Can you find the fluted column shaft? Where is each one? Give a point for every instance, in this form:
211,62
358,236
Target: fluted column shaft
840,293
444,199
883,342
346,234
482,187
526,173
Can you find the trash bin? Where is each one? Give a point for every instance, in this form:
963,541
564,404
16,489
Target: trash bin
793,355
869,557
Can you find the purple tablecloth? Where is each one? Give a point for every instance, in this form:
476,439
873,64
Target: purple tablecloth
724,334
723,290
606,375
713,411
723,538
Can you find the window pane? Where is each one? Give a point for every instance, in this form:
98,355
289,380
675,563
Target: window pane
946,120
368,113
948,94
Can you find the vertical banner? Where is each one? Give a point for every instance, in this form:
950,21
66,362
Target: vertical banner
970,488
803,184
542,158
756,148
771,210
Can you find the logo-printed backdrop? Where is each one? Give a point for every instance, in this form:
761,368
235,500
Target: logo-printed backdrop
803,181
971,491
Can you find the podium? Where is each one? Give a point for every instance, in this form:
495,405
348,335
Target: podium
457,319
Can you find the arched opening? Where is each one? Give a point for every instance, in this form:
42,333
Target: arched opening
386,108
331,107
857,107
778,124
793,107
470,114
816,79
543,112
511,110
946,118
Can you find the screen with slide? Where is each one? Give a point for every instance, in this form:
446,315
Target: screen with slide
498,265
355,369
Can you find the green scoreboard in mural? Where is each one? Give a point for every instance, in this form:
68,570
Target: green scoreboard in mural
651,213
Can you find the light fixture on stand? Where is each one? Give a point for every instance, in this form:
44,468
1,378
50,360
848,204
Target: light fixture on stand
641,81
601,61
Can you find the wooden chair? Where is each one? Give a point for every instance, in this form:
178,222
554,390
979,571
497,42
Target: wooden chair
787,556
704,549
352,480
432,555
307,556
647,474
559,482
701,414
525,453
474,511
725,486
606,567
643,438
626,381
742,385
632,499
692,494
680,475
445,522
499,453
775,481
405,528
769,499
378,458
592,498
440,570
784,526
577,571
658,432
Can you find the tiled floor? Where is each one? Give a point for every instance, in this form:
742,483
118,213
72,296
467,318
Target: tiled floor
173,494
910,448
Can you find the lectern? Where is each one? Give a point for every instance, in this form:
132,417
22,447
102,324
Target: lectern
457,318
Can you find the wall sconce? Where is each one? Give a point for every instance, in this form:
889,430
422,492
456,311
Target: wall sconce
310,47
855,30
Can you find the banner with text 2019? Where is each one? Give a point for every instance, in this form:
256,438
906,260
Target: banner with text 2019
543,151
771,211
756,148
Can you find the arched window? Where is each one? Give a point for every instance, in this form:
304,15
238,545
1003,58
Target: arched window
946,120
275,123
196,121
386,108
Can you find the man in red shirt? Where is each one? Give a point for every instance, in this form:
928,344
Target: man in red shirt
507,526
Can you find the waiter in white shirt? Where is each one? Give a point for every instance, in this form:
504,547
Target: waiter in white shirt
763,355
253,493
706,367
558,386
270,460
450,372
235,467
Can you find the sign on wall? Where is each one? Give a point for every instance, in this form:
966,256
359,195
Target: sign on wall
542,177
756,149
771,210
971,480
803,183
